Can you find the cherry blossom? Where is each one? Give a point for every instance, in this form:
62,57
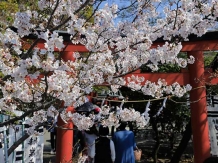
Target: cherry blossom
38,74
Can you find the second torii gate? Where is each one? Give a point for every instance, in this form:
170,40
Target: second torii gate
196,76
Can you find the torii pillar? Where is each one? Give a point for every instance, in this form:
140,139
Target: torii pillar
64,140
200,129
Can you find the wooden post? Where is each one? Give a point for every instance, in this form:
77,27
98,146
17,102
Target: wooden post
64,141
198,105
64,144
67,56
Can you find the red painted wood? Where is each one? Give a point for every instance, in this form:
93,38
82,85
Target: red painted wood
64,147
69,46
206,45
68,55
182,78
199,121
64,152
170,78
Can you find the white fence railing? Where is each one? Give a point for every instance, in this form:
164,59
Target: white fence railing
212,111
30,151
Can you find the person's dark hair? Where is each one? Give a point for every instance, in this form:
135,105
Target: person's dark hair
211,160
103,131
123,125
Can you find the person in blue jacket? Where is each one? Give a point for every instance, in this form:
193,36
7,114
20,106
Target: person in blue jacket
125,145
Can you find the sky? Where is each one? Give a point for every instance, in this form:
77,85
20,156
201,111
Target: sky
122,3
118,2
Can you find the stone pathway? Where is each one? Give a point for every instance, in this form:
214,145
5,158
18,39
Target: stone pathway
47,157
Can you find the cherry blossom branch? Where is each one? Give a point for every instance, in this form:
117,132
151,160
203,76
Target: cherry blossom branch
82,6
93,13
129,72
175,19
27,54
46,85
139,12
5,78
51,16
69,18
127,7
68,43
60,25
28,112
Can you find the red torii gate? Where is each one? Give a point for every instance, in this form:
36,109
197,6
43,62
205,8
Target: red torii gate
196,76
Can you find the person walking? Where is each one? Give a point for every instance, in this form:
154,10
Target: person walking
90,136
125,145
53,133
103,150
78,142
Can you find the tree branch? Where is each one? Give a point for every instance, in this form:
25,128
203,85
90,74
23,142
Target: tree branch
21,140
68,19
82,6
129,72
60,25
56,6
10,121
26,55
